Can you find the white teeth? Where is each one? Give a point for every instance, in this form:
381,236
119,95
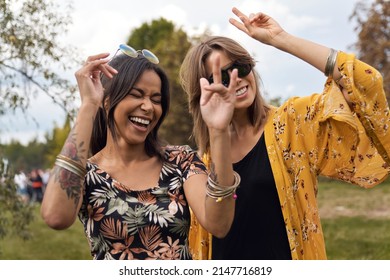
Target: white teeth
139,120
241,91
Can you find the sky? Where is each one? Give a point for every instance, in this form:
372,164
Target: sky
101,25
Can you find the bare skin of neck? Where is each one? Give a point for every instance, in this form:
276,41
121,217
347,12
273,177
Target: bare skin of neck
243,137
130,166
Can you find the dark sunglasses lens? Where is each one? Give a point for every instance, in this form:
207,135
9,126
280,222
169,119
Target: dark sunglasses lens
243,69
225,78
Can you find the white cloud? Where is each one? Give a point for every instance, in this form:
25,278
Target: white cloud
175,14
104,35
39,120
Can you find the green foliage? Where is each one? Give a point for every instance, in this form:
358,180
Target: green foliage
36,154
15,215
170,44
150,35
31,52
24,157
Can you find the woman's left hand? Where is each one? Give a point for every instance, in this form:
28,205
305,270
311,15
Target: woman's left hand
217,102
258,26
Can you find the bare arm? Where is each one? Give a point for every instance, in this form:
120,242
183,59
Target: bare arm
217,106
64,191
63,195
266,30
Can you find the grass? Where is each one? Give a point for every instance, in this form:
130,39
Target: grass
356,224
356,221
357,238
47,244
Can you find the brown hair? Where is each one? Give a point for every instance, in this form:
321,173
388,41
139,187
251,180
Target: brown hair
193,68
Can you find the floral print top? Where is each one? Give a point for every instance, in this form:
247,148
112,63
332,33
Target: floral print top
320,135
150,224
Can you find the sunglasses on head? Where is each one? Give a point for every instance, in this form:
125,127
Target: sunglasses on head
242,68
127,50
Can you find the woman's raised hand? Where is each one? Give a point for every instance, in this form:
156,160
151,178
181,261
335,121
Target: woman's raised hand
258,26
88,77
217,102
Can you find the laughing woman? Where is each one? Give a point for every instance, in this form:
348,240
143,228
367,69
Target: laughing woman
131,193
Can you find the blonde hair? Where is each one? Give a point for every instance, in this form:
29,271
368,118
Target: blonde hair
193,68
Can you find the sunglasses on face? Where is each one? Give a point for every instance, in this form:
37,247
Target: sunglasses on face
243,71
127,50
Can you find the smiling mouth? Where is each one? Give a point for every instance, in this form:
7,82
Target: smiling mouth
241,91
139,121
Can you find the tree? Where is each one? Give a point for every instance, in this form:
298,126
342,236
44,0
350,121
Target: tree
15,215
373,31
31,52
170,44
25,157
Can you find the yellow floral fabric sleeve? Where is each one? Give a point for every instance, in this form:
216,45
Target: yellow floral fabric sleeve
199,239
321,135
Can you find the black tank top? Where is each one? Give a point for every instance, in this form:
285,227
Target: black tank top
258,231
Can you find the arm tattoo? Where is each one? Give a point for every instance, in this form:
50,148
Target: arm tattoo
70,182
213,175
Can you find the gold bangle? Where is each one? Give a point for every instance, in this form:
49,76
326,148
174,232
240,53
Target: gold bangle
218,192
218,187
71,165
71,161
330,63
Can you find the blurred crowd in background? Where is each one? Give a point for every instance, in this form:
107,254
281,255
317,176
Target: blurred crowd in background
31,185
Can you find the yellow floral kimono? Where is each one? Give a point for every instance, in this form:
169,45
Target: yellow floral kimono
320,135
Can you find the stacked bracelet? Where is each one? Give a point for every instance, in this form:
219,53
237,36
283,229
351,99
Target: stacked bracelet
218,192
330,63
71,165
